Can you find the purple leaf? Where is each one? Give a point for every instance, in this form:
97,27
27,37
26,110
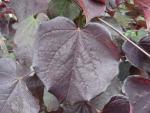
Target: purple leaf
138,90
25,8
135,56
80,107
72,62
14,94
24,38
113,89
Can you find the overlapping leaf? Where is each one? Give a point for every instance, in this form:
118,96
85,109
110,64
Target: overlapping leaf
72,62
24,38
112,5
91,9
36,87
80,107
65,8
117,104
25,8
138,90
113,89
135,56
14,94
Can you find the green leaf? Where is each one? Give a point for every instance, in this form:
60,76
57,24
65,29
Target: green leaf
66,8
50,101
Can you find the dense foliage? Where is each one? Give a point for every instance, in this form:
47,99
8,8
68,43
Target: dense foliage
74,56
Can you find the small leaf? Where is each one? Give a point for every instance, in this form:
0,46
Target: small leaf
72,62
50,101
137,89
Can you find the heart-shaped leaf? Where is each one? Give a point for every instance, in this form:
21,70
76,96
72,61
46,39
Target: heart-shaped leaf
25,8
14,94
72,62
135,56
138,90
91,9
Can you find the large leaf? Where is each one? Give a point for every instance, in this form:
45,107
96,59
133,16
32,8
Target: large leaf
24,38
91,9
14,94
138,90
72,62
117,104
65,8
25,8
135,56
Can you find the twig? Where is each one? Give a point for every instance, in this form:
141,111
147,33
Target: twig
126,38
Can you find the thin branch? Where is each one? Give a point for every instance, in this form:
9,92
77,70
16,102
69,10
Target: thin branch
126,38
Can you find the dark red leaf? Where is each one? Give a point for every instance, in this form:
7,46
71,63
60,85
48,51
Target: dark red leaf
72,62
91,9
138,90
117,104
